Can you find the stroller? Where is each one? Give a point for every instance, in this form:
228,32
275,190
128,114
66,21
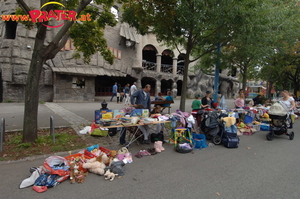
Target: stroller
279,125
211,126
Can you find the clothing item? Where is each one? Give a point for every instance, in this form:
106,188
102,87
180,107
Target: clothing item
126,90
196,104
133,89
146,131
288,102
206,101
168,98
140,98
239,102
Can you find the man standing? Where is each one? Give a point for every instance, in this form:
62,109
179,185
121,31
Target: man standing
133,88
142,98
114,91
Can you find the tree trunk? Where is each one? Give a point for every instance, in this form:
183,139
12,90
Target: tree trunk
244,75
32,91
184,83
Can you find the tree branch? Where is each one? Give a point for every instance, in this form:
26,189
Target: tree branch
24,6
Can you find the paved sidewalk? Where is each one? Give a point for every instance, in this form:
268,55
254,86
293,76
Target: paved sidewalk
75,120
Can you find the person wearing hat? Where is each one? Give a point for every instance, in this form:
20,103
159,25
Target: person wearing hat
196,104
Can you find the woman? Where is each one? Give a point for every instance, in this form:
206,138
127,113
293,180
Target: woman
240,101
207,102
288,103
257,100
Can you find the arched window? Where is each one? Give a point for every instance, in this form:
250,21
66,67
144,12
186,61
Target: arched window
115,11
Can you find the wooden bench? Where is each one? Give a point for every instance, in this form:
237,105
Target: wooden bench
163,102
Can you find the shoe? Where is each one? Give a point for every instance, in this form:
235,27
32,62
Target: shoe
160,145
139,155
157,148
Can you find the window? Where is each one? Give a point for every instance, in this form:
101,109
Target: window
78,82
115,11
10,29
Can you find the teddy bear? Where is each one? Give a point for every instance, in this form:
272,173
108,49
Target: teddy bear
109,175
95,165
113,153
80,176
72,173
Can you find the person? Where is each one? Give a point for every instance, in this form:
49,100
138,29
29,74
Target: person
196,104
114,91
240,101
240,91
206,101
118,97
133,88
126,93
169,97
257,100
159,97
288,103
142,98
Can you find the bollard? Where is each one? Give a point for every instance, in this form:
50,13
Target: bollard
52,132
2,132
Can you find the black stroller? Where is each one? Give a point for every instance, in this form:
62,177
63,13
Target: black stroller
211,126
279,125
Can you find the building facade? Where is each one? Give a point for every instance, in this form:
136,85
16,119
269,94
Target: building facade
138,59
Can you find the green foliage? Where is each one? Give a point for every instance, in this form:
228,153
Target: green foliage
24,145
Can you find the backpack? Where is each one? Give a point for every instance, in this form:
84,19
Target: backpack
231,140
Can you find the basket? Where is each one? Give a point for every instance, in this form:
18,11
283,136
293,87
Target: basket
78,155
91,155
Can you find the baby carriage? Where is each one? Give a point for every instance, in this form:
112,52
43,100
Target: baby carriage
280,121
279,125
211,126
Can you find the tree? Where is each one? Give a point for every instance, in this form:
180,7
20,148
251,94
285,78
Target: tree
87,38
192,27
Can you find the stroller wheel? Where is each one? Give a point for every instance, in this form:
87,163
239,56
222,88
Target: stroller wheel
270,136
216,140
208,136
291,135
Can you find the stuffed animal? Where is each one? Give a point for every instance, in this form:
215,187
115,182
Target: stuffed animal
109,175
113,153
72,174
123,150
80,176
103,158
94,166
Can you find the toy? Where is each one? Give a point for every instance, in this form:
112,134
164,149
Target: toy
80,176
95,166
72,174
123,150
113,153
104,159
109,175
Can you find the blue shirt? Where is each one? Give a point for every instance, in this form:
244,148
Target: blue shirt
141,97
168,98
114,88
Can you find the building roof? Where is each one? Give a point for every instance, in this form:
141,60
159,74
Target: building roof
129,33
87,70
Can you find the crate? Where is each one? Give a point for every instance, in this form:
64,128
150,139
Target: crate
254,126
82,158
91,155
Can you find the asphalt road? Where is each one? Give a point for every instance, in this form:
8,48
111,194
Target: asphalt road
257,169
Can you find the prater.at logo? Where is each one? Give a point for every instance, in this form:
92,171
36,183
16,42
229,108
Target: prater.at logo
38,16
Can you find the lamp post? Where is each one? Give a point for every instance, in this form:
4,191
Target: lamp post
216,82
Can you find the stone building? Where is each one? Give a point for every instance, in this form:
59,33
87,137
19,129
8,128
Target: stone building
138,59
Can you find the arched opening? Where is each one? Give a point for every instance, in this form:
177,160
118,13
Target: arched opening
180,64
149,58
167,61
166,85
10,29
179,87
151,81
103,84
115,11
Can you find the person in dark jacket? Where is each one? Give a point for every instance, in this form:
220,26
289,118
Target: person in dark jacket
142,97
257,100
207,101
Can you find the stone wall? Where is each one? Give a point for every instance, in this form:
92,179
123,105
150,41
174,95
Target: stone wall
64,90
